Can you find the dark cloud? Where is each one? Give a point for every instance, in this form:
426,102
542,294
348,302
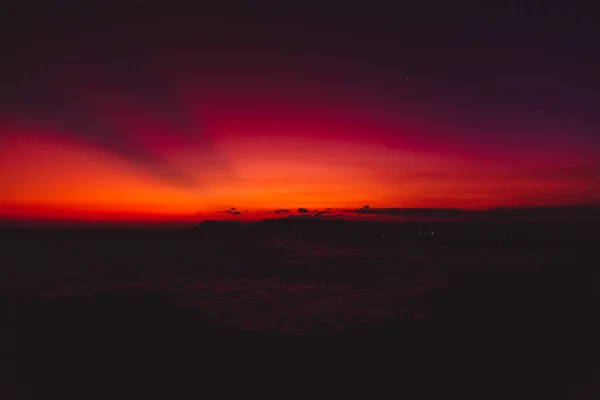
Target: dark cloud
302,210
282,211
329,216
518,213
326,214
93,75
409,212
232,209
75,122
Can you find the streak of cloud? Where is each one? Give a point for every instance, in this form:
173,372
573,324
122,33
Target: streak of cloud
91,80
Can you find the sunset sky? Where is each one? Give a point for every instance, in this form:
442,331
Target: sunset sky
161,115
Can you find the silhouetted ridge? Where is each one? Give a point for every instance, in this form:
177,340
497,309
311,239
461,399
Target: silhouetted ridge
518,333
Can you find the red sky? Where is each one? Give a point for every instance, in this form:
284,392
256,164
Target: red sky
253,128
279,156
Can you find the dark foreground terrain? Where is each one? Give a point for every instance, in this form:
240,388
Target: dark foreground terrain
484,333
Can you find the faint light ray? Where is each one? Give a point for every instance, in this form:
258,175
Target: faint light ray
62,103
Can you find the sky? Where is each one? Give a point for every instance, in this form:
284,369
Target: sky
130,114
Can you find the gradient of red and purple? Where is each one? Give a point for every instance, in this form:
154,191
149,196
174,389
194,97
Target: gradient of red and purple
193,131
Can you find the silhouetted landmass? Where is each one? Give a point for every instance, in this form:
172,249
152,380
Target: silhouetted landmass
534,235
219,229
493,332
487,334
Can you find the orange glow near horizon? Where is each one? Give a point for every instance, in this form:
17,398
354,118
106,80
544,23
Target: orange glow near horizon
160,115
265,164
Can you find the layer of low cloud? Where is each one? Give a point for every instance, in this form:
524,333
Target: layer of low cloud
550,213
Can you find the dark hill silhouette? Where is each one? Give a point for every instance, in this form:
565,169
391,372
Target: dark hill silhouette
220,230
534,236
487,334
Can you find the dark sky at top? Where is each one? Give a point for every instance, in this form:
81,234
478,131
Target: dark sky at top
524,60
